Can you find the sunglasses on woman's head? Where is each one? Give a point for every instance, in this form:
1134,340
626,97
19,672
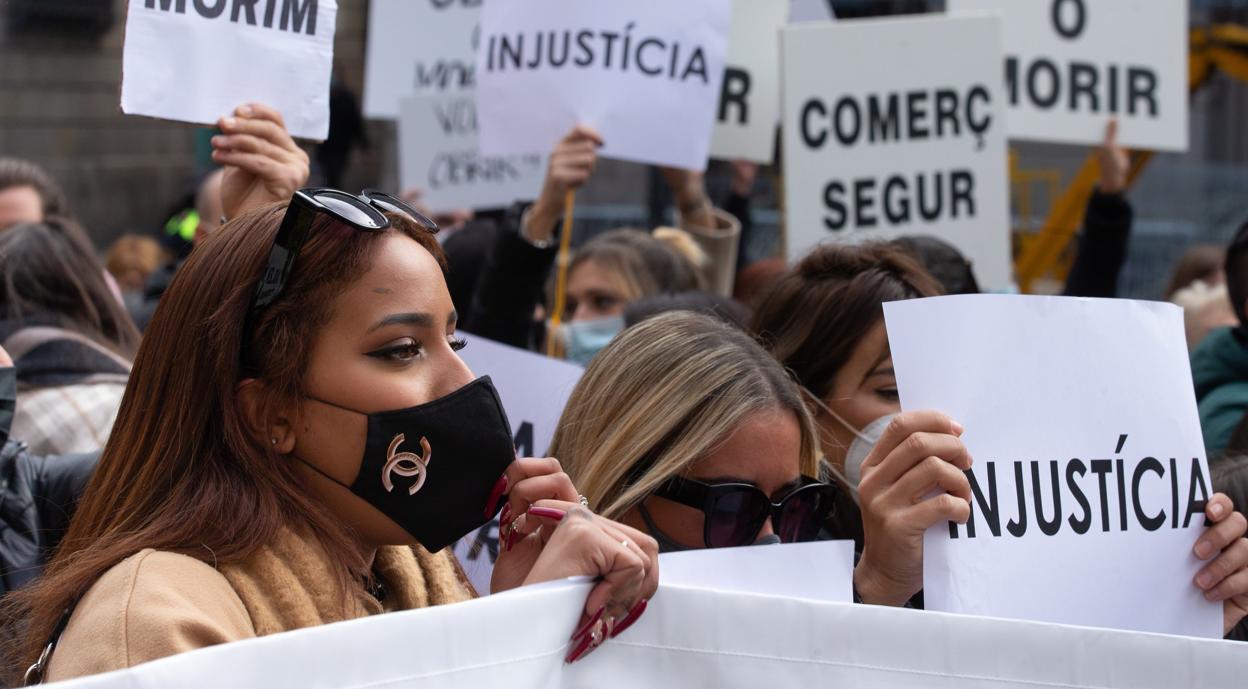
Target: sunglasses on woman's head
364,212
735,512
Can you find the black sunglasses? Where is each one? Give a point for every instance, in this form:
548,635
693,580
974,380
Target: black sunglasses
735,512
364,212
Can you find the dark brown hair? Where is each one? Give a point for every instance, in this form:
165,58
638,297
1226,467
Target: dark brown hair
15,172
814,316
181,471
49,273
1199,262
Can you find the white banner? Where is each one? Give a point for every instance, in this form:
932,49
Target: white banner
693,638
749,104
1071,65
919,149
1089,476
645,73
534,390
438,153
780,569
418,47
198,60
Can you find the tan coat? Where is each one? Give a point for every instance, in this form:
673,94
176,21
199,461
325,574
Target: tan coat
156,604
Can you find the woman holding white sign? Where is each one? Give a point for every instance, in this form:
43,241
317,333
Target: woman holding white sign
824,322
306,457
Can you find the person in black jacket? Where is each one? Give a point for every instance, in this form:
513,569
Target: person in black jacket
1102,249
37,494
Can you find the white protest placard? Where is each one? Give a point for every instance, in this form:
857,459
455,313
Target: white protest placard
782,569
810,11
1071,65
534,389
438,154
691,637
645,73
1089,475
198,60
880,153
418,47
749,104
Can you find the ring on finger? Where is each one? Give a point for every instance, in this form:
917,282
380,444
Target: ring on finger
584,502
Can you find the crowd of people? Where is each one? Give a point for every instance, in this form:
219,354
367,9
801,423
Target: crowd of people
217,436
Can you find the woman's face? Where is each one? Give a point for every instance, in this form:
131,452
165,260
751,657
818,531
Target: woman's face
764,450
389,344
863,390
595,291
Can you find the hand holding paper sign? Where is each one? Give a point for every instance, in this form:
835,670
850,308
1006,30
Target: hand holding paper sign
548,535
572,162
1226,577
919,452
262,162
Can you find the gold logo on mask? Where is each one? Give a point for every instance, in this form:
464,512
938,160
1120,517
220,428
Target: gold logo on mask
406,464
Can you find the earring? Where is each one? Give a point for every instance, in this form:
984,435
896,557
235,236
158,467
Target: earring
273,440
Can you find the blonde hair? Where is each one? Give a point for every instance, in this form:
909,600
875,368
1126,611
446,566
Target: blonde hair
644,264
662,396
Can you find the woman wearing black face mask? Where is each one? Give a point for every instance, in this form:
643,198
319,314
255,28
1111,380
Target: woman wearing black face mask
298,443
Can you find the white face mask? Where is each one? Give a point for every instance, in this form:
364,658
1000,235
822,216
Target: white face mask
864,440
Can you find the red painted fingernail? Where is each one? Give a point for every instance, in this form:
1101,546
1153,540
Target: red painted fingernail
547,513
589,624
578,649
630,618
511,539
589,642
491,505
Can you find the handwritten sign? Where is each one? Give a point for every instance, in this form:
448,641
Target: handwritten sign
878,153
644,73
1089,476
197,60
1071,65
439,154
418,47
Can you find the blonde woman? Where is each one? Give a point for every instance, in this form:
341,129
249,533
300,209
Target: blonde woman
686,428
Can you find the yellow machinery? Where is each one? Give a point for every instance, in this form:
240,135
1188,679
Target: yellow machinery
1218,48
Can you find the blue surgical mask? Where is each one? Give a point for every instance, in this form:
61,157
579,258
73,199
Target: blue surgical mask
582,340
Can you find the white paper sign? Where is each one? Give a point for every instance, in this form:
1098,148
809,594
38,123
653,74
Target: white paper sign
198,60
1071,65
879,153
749,104
822,570
645,73
534,389
418,47
1088,459
438,153
810,11
692,638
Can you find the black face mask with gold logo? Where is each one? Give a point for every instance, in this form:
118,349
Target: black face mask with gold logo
431,468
